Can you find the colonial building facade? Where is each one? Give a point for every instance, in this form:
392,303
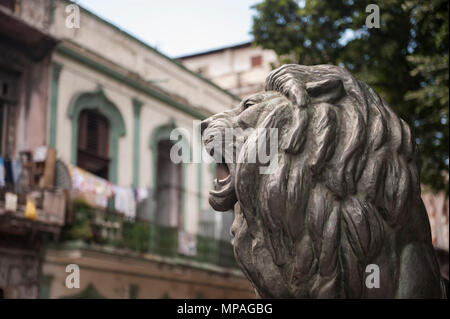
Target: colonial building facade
137,224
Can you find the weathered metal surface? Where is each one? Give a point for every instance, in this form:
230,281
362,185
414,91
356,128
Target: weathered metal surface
344,196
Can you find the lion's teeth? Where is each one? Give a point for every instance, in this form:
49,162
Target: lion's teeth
224,181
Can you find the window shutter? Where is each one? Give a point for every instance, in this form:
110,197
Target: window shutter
94,133
93,143
256,61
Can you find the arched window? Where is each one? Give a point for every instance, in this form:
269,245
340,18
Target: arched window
93,143
97,126
168,178
169,188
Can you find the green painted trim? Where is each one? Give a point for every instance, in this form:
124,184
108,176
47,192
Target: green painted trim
44,289
134,290
181,66
56,71
162,132
137,106
137,85
98,101
51,12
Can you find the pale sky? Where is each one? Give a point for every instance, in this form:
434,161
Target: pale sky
179,27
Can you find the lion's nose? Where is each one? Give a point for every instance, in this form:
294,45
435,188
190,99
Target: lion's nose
203,125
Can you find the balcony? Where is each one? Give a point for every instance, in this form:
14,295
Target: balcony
49,207
107,228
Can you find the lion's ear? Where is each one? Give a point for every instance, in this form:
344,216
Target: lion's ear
295,139
328,90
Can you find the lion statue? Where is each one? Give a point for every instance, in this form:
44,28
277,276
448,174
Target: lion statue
341,216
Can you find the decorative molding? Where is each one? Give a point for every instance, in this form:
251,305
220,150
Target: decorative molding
127,255
137,106
56,71
145,45
98,101
137,85
51,12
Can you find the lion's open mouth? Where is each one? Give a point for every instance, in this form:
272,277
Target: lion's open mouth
222,197
222,180
222,172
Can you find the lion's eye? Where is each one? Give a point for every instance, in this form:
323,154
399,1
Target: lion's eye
248,104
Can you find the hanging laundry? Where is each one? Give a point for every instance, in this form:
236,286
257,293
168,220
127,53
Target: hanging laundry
142,194
16,170
30,210
8,172
124,201
2,172
187,243
95,190
40,153
10,202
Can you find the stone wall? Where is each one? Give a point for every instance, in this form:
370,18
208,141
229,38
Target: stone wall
19,273
114,274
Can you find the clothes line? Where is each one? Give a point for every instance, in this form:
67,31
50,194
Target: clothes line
97,191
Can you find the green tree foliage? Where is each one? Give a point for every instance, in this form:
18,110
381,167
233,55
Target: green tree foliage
405,60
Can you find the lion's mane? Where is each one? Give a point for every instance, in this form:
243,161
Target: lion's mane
346,193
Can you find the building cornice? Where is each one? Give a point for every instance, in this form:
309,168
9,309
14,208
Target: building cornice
213,51
147,46
108,68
